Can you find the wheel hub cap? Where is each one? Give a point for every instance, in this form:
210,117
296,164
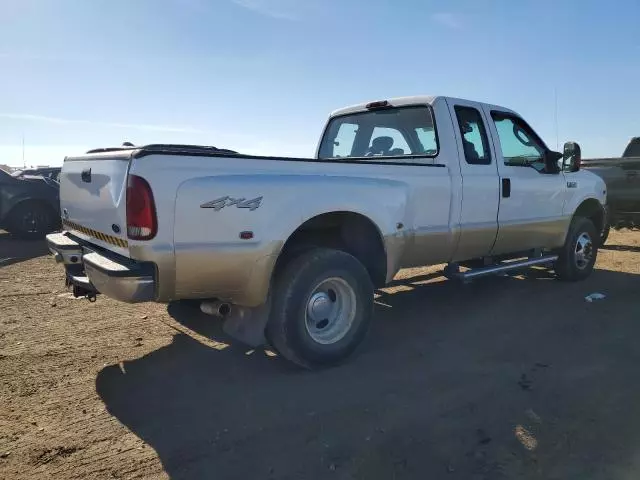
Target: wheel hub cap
320,307
330,311
583,250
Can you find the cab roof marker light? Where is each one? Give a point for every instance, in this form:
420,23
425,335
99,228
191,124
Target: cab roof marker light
378,104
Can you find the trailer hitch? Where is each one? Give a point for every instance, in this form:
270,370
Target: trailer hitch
82,292
81,287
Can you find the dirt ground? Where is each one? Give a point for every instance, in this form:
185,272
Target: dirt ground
506,378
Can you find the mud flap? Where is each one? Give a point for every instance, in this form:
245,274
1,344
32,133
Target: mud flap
247,325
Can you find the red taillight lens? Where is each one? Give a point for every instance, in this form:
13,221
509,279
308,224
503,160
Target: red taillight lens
142,223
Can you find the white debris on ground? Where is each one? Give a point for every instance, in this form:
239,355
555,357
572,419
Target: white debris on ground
594,296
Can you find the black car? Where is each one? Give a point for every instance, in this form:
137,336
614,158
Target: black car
29,204
50,173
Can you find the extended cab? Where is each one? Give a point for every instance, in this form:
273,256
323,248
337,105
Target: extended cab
291,249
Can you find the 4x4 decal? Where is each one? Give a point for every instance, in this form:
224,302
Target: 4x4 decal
222,202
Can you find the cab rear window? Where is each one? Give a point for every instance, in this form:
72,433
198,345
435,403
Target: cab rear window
389,132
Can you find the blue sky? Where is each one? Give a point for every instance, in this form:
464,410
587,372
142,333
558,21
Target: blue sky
261,76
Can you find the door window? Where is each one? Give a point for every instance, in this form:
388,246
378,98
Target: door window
520,145
474,136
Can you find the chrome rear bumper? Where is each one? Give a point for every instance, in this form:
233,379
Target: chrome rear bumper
96,270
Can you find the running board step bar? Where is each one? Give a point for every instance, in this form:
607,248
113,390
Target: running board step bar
452,271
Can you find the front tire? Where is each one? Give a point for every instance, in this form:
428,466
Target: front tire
579,253
606,227
605,233
322,308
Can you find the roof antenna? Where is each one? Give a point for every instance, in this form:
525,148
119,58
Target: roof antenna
555,95
127,144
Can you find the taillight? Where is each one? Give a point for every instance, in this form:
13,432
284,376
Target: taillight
142,223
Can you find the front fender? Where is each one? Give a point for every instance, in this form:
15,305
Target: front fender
589,186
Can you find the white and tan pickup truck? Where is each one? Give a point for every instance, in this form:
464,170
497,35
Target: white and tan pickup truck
291,250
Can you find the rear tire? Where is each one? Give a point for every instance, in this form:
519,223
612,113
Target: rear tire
580,251
31,220
322,308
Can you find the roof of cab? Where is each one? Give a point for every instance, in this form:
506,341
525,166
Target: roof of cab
413,100
396,102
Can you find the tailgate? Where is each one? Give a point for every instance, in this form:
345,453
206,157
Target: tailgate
93,199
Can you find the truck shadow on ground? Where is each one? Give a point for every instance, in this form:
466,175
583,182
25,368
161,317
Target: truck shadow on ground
16,250
505,378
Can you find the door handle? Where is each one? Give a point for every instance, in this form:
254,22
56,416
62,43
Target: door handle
506,187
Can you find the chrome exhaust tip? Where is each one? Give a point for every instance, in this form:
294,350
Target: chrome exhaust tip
215,308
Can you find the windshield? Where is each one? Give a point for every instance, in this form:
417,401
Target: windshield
391,132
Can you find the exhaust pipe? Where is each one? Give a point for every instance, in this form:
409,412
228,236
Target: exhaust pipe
215,308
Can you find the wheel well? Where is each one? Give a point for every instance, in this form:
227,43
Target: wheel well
592,210
347,231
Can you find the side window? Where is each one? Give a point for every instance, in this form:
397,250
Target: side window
520,146
474,136
343,142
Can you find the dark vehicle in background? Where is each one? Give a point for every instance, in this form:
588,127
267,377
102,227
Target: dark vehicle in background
50,173
622,177
29,204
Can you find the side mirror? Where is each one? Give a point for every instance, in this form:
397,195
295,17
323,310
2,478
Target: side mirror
571,157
